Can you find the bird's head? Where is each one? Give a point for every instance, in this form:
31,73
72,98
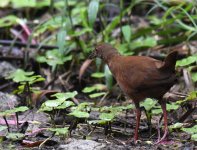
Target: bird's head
103,51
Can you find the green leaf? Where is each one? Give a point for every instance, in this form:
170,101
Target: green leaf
15,136
61,38
14,110
19,109
93,88
97,94
172,106
53,103
126,30
89,89
53,58
79,114
65,96
92,11
8,21
108,78
186,61
143,42
59,131
2,128
101,122
192,130
156,111
148,104
192,95
130,106
176,126
4,3
84,105
194,76
107,116
20,76
65,104
23,3
194,137
98,75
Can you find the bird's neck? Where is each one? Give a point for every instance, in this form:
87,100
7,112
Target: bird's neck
108,57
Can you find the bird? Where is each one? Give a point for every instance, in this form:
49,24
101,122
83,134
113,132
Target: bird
140,77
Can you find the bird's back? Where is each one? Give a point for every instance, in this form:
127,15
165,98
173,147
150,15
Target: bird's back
141,77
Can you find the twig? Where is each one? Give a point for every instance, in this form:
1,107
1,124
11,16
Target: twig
21,44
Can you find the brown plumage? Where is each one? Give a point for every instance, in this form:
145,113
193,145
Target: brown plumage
140,77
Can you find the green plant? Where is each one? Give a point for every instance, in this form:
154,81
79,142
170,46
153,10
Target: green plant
59,103
26,81
108,114
12,111
192,131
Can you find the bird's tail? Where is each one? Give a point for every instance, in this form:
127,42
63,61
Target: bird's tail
170,61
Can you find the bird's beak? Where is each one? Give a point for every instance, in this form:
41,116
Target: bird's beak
92,55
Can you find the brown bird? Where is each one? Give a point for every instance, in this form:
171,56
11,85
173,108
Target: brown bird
140,77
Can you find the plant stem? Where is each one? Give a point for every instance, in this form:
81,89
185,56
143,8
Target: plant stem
4,117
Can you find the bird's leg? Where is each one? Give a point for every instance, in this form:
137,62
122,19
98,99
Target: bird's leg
138,116
163,106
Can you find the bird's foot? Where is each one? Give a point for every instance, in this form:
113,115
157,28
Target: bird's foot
131,141
163,139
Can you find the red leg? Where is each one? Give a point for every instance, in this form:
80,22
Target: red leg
163,106
138,115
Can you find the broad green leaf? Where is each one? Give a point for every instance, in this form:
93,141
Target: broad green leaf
79,114
53,58
192,95
192,130
98,75
59,131
53,103
156,111
130,106
107,116
65,104
186,61
14,110
194,137
92,11
176,126
89,89
143,42
19,109
93,88
45,108
194,76
8,21
126,30
4,3
84,106
97,94
106,108
101,122
15,136
3,128
65,96
20,76
23,3
148,104
172,106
